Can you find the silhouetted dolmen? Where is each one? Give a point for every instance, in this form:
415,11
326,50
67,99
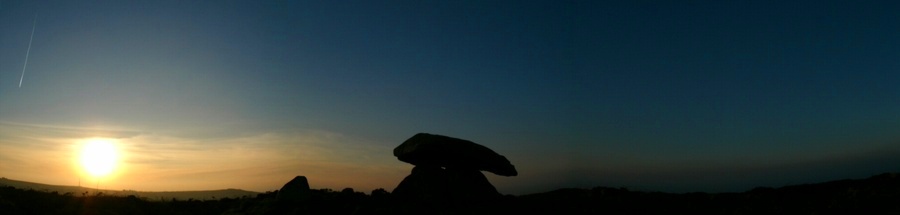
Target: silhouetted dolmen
447,176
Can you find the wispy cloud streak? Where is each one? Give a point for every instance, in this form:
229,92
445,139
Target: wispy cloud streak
31,39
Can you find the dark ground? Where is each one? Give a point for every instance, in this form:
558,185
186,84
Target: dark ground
876,195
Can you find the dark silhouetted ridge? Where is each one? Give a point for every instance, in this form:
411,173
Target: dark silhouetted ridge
878,194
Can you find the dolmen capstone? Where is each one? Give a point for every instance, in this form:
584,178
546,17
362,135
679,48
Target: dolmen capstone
447,175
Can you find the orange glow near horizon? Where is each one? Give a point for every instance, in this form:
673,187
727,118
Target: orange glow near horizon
99,157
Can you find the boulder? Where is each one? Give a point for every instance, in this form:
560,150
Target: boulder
425,149
296,190
434,189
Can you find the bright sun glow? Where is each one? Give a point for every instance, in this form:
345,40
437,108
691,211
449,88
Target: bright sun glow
99,157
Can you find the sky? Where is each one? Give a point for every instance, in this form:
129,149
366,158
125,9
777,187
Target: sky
711,96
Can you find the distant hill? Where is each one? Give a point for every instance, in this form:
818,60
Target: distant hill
153,196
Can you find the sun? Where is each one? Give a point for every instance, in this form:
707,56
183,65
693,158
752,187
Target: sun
99,157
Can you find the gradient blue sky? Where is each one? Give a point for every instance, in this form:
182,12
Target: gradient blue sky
699,96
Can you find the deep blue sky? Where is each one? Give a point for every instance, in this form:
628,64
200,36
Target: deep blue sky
700,96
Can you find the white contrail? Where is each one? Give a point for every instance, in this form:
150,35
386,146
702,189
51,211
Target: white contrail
33,24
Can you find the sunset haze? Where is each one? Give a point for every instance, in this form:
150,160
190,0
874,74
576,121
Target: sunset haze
707,96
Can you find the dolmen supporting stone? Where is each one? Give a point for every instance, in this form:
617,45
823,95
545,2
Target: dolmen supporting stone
296,190
293,198
447,175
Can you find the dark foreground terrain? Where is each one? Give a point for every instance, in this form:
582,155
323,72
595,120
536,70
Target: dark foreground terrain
876,195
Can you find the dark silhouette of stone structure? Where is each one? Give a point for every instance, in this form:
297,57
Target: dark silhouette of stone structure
437,150
296,190
293,198
447,175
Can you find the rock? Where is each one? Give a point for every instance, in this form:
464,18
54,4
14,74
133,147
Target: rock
296,190
425,183
452,153
434,189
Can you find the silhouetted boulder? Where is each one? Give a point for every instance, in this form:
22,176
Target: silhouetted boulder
452,153
296,190
432,188
430,183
